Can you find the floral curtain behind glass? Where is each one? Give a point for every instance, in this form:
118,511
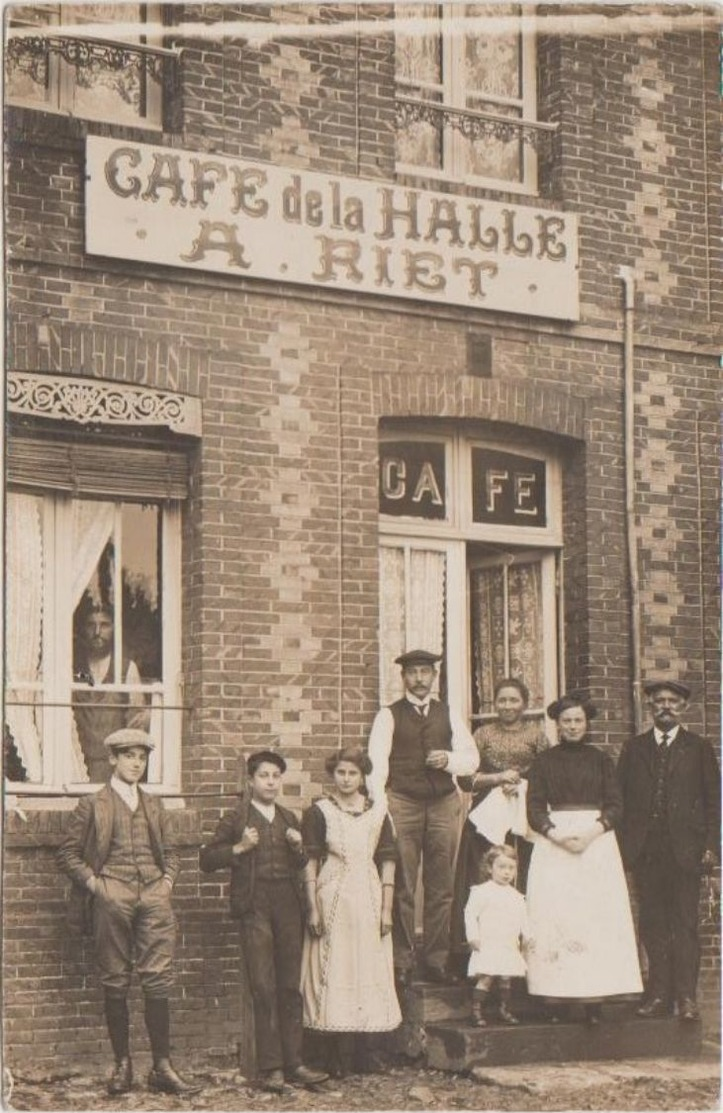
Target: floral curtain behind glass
506,639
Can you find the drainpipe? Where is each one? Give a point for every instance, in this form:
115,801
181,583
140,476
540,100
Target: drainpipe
626,274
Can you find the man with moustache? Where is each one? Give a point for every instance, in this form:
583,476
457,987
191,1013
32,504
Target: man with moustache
417,747
670,834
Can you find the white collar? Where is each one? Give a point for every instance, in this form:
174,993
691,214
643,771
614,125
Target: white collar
268,811
128,793
418,702
670,734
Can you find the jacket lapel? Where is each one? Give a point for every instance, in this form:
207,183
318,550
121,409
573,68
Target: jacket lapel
647,749
151,807
103,811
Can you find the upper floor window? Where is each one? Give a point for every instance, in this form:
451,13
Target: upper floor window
466,99
60,58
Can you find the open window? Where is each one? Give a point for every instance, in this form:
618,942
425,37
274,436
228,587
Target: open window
93,580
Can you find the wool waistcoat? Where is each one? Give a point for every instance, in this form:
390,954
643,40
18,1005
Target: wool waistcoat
414,737
130,855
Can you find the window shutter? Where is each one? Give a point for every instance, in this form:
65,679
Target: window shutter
115,471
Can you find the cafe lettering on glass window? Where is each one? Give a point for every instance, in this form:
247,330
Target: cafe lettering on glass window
412,480
507,489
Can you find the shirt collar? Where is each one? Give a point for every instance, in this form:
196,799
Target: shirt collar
128,793
671,734
418,702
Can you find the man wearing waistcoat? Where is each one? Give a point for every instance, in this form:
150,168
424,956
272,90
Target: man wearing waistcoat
116,849
417,747
261,842
98,712
670,834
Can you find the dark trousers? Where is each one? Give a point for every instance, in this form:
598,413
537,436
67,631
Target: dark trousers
271,939
134,926
426,829
668,898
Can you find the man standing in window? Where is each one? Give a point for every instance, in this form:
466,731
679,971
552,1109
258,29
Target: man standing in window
417,747
99,713
670,834
116,849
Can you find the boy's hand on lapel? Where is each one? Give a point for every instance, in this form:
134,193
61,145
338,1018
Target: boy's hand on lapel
293,838
249,839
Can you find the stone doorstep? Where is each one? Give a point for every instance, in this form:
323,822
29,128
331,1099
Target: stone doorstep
461,1047
543,1079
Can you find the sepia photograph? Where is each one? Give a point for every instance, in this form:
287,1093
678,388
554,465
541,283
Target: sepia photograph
361,556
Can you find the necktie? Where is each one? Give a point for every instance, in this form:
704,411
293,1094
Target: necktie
664,739
422,709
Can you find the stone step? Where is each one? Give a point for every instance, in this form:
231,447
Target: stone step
458,1046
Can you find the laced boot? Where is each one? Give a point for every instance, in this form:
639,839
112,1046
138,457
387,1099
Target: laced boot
479,997
503,1011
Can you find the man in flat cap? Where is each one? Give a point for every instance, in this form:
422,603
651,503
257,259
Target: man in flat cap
116,849
670,834
417,747
260,840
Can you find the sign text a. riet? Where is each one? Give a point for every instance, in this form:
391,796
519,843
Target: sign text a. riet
187,209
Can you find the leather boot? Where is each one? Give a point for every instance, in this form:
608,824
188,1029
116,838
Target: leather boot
479,997
503,1011
121,1080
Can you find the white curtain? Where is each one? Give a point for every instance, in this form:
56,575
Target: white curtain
412,608
24,625
92,526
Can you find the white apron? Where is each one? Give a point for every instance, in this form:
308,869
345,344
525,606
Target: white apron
583,939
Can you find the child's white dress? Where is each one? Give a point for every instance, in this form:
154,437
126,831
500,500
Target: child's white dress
496,917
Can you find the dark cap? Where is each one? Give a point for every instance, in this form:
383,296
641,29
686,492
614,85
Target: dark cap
417,657
126,737
652,686
253,761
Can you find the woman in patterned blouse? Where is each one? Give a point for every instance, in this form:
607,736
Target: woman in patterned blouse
507,747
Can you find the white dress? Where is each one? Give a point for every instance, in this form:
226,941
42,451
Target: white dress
347,976
496,917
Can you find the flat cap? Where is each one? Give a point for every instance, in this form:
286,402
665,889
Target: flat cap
126,737
651,686
417,657
253,761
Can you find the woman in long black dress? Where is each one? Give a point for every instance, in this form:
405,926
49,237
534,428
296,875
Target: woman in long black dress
583,941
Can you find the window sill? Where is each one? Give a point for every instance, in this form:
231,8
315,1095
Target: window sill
28,825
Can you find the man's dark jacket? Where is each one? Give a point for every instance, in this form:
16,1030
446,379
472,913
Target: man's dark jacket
85,848
218,854
693,796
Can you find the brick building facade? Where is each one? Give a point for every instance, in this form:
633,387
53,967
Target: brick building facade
314,457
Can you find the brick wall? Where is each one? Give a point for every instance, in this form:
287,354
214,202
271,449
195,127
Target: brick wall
280,576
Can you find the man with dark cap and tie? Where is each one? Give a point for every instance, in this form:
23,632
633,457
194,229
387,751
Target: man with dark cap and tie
670,834
261,842
417,747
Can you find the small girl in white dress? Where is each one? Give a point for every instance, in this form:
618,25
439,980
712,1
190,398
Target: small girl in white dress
497,931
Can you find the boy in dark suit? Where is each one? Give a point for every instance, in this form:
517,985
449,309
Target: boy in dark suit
261,842
116,850
670,833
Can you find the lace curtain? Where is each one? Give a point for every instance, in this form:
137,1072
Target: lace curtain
506,630
92,527
24,627
412,604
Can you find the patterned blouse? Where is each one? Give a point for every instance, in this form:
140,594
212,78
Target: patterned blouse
502,747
